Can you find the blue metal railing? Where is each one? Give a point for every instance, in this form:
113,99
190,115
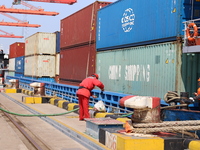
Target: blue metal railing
68,92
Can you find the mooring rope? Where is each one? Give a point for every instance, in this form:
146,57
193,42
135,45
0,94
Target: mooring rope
166,129
166,124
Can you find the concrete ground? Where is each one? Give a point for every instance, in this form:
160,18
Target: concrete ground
53,138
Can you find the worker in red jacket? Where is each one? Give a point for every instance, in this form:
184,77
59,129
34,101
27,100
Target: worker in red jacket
84,93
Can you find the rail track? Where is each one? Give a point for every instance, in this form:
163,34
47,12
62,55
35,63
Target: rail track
37,131
31,141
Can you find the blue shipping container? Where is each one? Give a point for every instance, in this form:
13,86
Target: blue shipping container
57,41
19,74
128,23
19,64
46,79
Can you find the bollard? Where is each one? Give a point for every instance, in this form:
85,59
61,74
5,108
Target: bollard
146,108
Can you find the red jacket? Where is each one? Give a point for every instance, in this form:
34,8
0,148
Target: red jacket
198,91
88,85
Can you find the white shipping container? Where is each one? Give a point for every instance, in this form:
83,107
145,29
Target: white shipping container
57,63
40,66
10,73
40,43
11,66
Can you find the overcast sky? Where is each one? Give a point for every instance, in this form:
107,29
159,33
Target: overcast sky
48,23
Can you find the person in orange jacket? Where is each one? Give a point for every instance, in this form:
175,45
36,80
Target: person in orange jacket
197,94
84,93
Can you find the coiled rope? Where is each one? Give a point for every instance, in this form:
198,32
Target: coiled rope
170,96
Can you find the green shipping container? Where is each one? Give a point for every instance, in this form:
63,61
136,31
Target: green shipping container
150,70
190,71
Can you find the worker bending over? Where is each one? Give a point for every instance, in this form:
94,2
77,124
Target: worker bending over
84,93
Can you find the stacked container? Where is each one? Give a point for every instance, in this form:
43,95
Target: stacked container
140,50
40,50
78,42
57,56
132,23
16,59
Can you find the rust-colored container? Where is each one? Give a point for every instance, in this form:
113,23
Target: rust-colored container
76,64
80,27
17,50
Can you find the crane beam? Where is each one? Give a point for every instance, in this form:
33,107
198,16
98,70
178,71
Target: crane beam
24,24
70,2
19,23
3,9
9,35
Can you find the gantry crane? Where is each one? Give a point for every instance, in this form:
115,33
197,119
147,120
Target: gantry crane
19,23
9,35
70,2
33,10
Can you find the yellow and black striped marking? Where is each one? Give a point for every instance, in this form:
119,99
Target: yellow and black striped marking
23,91
54,100
112,139
192,144
102,114
35,99
60,103
13,90
72,106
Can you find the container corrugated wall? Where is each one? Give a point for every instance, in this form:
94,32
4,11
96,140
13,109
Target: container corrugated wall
17,50
19,74
47,79
191,71
19,64
40,66
150,70
77,63
41,43
57,41
128,23
11,64
80,27
11,73
57,63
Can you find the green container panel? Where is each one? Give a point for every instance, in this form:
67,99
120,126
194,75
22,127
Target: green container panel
149,70
190,71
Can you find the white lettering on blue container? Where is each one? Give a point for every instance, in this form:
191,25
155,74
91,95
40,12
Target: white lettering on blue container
128,20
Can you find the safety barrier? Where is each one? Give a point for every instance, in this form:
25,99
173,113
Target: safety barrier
68,92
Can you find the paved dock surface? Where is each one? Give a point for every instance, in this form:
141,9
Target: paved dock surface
48,134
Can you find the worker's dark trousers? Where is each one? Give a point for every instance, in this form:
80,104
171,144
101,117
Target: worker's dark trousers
83,107
196,97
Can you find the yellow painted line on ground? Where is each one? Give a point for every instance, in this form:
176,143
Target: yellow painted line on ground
194,145
82,134
72,116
